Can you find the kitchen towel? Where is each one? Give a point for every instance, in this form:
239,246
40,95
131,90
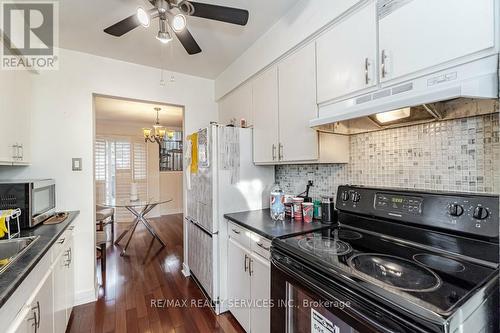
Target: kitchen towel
4,219
194,152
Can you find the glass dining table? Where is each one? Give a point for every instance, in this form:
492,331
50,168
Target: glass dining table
138,208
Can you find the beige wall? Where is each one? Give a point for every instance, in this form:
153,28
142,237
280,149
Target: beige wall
161,185
171,188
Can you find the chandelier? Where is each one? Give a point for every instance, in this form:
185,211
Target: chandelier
157,133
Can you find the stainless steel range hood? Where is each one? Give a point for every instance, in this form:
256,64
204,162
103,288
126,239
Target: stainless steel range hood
462,91
426,113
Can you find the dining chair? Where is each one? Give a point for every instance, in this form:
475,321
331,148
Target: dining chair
105,216
102,240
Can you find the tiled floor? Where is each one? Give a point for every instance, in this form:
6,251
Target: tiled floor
124,305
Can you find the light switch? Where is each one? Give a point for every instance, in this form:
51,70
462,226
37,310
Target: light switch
76,164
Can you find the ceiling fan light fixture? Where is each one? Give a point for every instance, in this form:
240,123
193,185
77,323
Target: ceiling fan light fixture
179,22
164,37
143,17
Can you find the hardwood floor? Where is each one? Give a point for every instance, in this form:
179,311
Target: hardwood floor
124,304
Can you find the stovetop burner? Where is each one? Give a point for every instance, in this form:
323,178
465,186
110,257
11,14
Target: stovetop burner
441,263
349,234
323,245
429,279
395,272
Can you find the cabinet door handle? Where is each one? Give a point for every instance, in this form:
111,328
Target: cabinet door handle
280,151
236,231
367,75
36,311
384,64
68,257
274,152
262,246
15,151
35,321
250,271
20,151
246,262
61,241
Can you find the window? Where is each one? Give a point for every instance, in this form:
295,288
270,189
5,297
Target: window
100,159
140,161
171,153
122,155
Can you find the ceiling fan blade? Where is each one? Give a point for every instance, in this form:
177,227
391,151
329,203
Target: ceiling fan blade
187,40
124,26
220,13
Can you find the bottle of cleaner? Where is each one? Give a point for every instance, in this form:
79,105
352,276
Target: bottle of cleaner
277,200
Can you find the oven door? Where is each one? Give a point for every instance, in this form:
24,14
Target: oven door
43,200
304,302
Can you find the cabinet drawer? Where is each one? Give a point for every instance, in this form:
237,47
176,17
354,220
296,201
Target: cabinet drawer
62,242
261,246
239,234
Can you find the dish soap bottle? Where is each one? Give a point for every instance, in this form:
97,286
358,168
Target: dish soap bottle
277,203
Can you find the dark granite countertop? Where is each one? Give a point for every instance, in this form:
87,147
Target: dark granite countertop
260,222
15,274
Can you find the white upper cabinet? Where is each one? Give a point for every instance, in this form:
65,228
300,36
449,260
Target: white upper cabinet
420,34
347,55
297,105
265,117
283,102
237,105
15,96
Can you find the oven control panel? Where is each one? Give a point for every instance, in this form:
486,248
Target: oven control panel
462,212
398,204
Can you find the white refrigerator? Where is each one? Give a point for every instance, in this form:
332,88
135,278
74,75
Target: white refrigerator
226,181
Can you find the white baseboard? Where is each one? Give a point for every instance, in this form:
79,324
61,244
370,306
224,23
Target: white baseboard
86,296
185,270
172,212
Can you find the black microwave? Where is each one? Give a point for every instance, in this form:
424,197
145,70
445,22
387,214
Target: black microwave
35,198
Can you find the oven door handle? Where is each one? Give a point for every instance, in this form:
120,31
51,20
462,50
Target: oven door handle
298,274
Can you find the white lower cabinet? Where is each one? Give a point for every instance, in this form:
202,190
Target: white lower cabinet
260,293
59,294
70,281
37,315
249,282
43,306
63,288
46,296
25,322
239,283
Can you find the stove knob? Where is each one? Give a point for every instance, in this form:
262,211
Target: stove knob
455,210
480,213
345,196
356,197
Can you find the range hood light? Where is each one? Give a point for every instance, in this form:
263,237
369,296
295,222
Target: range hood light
390,116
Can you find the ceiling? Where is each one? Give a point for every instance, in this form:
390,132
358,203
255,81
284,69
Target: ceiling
82,24
141,113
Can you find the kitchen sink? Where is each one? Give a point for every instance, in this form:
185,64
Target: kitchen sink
11,249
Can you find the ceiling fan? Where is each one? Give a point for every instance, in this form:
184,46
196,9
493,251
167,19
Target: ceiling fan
172,13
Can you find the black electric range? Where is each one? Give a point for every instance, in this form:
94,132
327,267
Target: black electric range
397,262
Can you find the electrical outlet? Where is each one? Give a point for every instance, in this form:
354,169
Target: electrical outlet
76,164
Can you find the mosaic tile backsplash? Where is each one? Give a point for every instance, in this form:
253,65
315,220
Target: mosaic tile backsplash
454,155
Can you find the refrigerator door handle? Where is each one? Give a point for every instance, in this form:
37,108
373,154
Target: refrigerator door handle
203,228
